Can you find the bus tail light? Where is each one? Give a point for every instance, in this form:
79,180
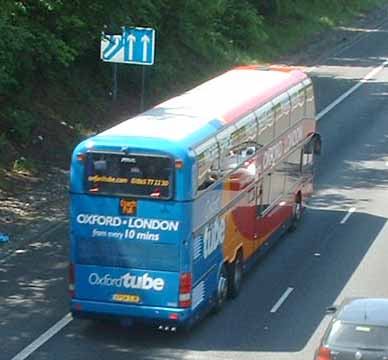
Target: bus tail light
324,353
178,164
81,157
173,316
71,280
185,288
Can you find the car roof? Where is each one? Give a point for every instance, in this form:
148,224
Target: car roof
364,311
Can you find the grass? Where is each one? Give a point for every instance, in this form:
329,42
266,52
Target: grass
289,32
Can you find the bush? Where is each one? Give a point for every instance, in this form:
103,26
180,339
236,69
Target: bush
20,124
23,165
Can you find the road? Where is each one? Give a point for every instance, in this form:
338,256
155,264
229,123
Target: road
338,251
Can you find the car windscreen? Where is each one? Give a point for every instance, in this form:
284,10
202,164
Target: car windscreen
133,175
357,336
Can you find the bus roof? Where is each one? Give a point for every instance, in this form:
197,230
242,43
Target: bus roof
196,114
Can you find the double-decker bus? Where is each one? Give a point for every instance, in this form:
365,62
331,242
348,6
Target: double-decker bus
169,208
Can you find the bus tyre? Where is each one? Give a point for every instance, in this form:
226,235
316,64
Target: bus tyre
297,213
235,276
222,289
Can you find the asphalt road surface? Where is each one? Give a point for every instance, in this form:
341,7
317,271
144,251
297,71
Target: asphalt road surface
339,250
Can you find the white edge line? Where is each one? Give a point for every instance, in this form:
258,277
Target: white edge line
347,216
47,335
351,90
282,300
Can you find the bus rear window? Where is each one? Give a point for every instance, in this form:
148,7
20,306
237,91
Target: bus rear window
129,175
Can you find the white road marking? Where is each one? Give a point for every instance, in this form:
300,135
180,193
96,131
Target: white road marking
27,351
282,300
351,90
347,216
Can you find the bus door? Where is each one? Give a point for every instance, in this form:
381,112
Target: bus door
272,210
241,219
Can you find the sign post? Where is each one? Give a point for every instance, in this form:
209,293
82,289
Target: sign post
134,46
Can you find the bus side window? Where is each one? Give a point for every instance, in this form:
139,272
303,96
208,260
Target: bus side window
266,119
263,195
292,166
297,97
212,175
237,157
207,159
278,179
282,109
310,104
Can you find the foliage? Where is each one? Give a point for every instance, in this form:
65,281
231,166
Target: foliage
20,124
23,165
3,144
50,48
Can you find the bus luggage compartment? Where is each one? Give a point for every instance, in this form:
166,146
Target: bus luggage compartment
126,286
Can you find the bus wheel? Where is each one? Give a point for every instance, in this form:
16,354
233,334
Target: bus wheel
222,288
297,213
235,276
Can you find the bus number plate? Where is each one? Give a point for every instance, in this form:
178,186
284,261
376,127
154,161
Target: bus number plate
126,298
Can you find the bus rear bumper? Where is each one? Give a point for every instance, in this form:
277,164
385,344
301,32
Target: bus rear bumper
130,313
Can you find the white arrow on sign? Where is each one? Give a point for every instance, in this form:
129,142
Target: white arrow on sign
132,40
111,46
145,40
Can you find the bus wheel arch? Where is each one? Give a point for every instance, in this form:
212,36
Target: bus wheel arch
235,273
297,211
222,287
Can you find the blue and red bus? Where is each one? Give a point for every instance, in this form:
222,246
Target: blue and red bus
169,208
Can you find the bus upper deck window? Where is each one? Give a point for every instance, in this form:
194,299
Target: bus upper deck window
100,166
130,175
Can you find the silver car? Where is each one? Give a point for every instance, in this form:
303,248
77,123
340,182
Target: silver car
358,331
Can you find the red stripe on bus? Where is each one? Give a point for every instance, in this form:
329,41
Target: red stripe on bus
260,99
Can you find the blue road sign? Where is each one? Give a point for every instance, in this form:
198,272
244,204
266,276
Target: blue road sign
134,46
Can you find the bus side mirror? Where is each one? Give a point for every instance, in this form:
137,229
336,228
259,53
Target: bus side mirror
314,145
331,309
213,175
317,144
